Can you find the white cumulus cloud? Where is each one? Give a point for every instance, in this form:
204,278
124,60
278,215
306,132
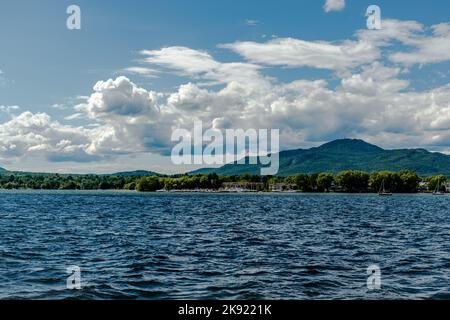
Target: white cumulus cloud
372,99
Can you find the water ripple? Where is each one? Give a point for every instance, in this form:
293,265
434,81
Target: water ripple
215,246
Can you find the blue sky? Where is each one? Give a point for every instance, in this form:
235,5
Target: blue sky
48,71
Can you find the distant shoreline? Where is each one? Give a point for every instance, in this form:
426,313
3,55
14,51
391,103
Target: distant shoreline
193,192
349,181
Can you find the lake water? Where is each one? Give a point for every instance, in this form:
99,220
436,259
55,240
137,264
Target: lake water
223,246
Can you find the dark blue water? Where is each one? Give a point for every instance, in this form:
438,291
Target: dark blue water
213,246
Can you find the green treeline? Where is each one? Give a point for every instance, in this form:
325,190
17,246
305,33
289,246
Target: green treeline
347,181
361,182
66,182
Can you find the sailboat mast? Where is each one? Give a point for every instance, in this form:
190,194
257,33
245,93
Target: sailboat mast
381,189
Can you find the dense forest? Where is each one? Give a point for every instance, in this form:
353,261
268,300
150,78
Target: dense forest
346,181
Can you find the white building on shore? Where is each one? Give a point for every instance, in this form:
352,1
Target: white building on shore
282,187
242,186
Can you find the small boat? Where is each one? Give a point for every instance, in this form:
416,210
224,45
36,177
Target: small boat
438,191
383,192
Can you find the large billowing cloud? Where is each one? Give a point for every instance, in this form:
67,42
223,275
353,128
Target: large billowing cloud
372,104
36,134
372,99
122,98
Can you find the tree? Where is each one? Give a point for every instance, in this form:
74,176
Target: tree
68,185
353,181
290,180
104,185
324,181
170,184
313,181
392,181
214,180
249,178
130,186
148,184
409,181
303,182
434,181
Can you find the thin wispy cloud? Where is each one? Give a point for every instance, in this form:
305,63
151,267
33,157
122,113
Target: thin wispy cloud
199,64
334,5
9,109
141,71
2,78
251,22
59,106
300,53
74,116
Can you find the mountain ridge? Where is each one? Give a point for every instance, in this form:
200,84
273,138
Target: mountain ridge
347,154
333,157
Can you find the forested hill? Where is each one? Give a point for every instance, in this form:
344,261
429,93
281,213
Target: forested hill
332,157
348,154
137,173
